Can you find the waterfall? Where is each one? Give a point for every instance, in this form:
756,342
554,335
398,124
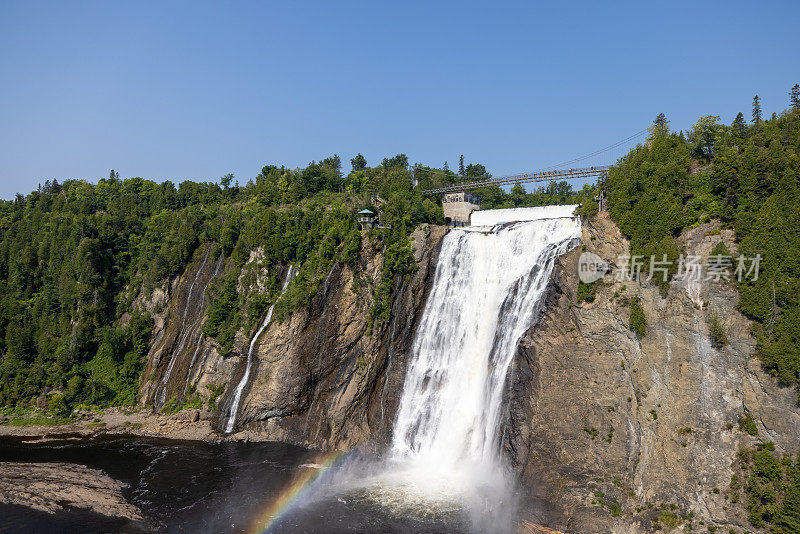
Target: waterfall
495,217
237,393
487,292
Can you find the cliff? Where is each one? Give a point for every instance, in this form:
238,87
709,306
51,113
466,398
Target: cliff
610,433
607,432
324,377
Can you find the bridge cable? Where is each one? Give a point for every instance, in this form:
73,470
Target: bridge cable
586,156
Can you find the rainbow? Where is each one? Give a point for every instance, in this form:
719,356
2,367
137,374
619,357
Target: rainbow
294,489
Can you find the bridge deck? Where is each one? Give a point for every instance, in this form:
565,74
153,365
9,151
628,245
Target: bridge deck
543,176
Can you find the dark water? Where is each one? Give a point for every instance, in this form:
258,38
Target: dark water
180,486
195,487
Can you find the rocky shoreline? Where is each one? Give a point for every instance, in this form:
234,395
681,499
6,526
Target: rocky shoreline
191,425
60,487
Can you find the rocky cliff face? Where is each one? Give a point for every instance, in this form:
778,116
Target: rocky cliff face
322,378
178,343
608,431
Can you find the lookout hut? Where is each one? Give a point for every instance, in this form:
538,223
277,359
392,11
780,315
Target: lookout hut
366,219
459,206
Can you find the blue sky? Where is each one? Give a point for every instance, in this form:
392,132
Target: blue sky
193,90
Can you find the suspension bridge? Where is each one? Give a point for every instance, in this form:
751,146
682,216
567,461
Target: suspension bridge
540,176
458,204
552,173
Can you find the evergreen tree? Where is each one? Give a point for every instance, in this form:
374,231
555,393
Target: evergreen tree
113,175
475,171
461,165
756,110
359,162
446,168
400,160
794,96
660,127
739,126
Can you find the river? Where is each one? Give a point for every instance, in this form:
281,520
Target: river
199,487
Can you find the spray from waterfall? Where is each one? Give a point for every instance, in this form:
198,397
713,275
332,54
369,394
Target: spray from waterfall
445,458
487,292
237,393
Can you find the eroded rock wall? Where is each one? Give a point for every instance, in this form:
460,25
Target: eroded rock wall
178,310
596,415
325,377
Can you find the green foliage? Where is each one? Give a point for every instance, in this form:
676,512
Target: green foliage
668,519
216,390
717,331
745,176
589,207
222,317
587,292
637,320
39,420
171,406
772,488
359,163
720,249
747,424
705,135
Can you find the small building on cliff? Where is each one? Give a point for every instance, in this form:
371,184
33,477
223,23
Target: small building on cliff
459,206
367,219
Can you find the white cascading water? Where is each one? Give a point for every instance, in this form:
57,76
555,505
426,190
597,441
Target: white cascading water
237,393
487,292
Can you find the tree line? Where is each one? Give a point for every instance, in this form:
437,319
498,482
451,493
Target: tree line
76,258
745,175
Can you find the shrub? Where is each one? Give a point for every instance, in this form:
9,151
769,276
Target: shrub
720,249
717,332
638,322
57,406
587,292
747,424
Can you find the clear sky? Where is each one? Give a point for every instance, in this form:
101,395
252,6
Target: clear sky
192,90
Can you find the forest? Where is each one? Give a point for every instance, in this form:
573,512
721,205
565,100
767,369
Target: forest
75,256
744,175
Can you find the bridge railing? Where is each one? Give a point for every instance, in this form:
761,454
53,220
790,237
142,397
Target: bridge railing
540,176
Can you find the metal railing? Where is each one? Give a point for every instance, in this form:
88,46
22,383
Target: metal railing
541,176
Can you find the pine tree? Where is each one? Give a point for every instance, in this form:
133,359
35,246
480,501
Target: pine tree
446,168
794,96
461,165
756,110
739,126
660,126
